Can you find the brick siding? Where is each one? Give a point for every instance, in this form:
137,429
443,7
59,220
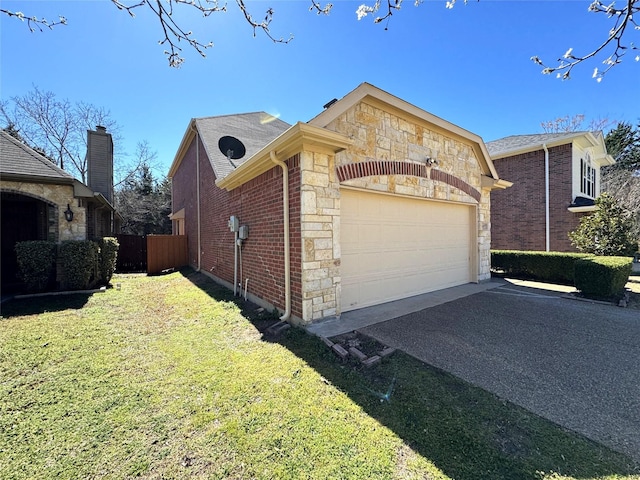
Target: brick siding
518,213
257,204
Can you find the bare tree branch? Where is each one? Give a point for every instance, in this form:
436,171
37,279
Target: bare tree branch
264,25
174,33
320,10
575,123
144,156
623,18
34,23
57,127
392,5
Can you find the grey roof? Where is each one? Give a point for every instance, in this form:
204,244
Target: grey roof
518,143
254,130
17,160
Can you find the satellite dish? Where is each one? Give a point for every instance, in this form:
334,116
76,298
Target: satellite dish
231,147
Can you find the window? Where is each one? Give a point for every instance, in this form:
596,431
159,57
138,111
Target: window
587,176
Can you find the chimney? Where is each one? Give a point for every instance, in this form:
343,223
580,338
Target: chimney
100,162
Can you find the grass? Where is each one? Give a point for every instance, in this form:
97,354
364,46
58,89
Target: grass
169,378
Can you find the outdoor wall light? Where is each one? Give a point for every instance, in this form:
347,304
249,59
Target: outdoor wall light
68,214
431,162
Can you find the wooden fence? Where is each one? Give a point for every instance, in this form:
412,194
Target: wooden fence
132,254
166,251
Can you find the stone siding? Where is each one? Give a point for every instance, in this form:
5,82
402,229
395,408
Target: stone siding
320,235
59,196
383,141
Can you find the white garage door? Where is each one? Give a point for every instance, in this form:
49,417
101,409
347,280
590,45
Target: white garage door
395,247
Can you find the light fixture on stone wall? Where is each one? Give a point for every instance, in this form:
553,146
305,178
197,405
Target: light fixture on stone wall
68,214
431,162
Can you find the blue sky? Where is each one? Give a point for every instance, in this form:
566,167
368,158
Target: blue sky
469,65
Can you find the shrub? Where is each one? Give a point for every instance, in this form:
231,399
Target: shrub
544,266
79,260
610,230
108,257
602,277
37,263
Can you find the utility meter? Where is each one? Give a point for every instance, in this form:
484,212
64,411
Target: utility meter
234,223
243,232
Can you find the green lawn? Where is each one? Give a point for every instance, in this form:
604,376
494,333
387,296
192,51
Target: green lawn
168,378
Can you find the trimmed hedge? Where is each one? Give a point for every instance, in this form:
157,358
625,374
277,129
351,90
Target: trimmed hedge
107,258
37,263
544,266
79,261
602,277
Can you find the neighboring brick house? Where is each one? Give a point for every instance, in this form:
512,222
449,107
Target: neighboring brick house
556,179
40,201
385,201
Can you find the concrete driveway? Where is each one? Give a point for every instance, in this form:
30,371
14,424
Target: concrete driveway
572,362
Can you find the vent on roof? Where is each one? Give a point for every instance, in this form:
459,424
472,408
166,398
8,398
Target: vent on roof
329,103
232,148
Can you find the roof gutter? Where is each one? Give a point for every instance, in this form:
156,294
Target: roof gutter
297,138
285,209
546,197
199,226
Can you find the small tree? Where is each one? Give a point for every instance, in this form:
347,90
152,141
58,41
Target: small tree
610,231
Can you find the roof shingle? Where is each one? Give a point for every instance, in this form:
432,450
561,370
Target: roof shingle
254,130
20,160
523,142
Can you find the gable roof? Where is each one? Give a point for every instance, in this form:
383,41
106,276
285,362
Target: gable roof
518,144
367,91
254,130
20,162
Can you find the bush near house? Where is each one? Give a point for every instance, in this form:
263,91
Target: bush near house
107,258
611,230
83,263
37,263
602,277
544,266
79,260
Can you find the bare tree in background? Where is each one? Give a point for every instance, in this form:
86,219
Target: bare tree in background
576,123
616,44
143,156
57,127
143,201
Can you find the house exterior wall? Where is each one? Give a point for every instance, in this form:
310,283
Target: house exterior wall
379,135
518,213
60,196
257,204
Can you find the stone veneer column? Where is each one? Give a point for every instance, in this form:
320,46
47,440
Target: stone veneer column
320,235
484,236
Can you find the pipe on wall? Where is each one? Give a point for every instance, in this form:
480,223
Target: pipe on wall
546,197
235,263
285,208
198,226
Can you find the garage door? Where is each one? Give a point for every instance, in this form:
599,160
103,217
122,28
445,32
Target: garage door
394,247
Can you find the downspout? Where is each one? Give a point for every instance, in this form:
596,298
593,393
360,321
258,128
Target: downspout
285,209
546,197
198,196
